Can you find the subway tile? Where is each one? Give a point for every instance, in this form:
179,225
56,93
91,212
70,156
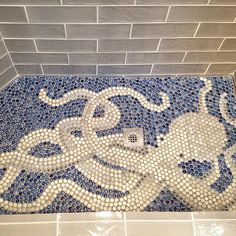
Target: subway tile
96,228
28,229
189,44
69,69
3,49
163,30
140,58
215,228
223,2
32,31
12,14
132,14
5,63
229,44
97,58
6,77
124,69
61,14
20,45
28,218
172,2
151,216
96,216
28,70
98,2
217,30
215,214
202,14
96,31
30,2
42,58
159,228
210,57
179,68
124,45
66,45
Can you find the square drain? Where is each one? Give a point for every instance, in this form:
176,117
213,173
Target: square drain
133,137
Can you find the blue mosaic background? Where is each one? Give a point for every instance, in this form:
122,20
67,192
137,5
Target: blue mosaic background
22,112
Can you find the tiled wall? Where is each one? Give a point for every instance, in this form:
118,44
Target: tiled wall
7,70
121,224
120,36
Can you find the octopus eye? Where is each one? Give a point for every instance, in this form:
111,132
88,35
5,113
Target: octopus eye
45,149
195,168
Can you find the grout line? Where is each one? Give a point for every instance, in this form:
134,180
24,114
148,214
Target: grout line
97,12
135,2
6,70
197,30
35,45
185,54
42,69
97,46
30,222
4,86
57,229
130,32
151,69
158,45
68,58
167,14
4,55
126,55
96,69
193,224
125,221
208,2
26,14
207,68
221,44
61,2
9,56
65,31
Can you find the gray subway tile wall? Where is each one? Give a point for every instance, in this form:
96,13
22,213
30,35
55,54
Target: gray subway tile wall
120,36
7,69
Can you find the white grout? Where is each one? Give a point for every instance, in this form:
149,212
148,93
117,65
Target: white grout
158,45
125,222
167,14
151,69
185,54
131,30
42,69
197,30
97,12
126,55
26,14
208,2
61,2
65,30
207,68
4,55
9,56
193,224
6,70
221,45
35,45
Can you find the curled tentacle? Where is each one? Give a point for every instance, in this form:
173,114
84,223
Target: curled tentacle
203,93
224,112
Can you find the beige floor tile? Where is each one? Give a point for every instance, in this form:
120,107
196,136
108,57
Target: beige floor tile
92,229
28,230
158,216
215,215
28,218
161,228
96,216
215,228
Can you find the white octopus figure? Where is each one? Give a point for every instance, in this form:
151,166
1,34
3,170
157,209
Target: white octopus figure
147,170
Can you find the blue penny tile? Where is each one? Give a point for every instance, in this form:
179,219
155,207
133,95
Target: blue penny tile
63,147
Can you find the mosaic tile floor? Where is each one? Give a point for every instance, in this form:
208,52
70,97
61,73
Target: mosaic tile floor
70,144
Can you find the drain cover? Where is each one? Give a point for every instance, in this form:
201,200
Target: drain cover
133,137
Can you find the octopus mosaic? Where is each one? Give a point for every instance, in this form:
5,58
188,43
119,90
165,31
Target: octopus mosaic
62,144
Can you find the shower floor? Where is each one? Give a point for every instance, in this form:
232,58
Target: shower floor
73,144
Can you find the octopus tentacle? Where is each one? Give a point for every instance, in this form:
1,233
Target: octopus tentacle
147,191
202,95
224,111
